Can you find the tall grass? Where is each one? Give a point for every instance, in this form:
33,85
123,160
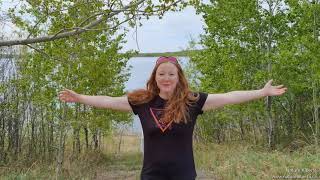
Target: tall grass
244,161
106,163
239,160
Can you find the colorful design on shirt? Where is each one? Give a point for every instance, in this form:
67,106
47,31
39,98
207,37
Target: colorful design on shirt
157,114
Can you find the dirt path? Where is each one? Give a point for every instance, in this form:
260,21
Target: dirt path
134,175
128,167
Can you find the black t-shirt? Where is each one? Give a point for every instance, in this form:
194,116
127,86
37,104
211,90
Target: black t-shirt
167,146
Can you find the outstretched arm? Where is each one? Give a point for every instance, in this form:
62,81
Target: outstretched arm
116,103
235,97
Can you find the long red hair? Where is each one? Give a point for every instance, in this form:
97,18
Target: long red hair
176,108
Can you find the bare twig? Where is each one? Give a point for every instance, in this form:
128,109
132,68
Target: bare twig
42,52
65,34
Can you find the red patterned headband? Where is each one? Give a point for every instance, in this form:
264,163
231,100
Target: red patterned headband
163,59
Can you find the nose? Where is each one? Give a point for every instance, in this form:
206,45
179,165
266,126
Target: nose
166,77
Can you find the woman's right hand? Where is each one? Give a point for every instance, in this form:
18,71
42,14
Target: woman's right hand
69,96
116,103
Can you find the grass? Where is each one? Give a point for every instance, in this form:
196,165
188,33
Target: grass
243,161
238,160
108,163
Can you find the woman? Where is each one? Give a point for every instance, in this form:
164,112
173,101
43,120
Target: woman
168,109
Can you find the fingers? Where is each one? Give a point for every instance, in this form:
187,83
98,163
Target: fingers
279,92
280,87
69,91
66,92
66,99
277,87
65,95
268,84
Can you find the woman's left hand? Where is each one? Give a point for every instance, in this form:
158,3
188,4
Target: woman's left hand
270,90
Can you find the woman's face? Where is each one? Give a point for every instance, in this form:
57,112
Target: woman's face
167,77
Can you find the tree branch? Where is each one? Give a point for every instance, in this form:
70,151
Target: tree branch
61,34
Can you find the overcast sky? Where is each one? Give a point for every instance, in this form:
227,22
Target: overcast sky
171,33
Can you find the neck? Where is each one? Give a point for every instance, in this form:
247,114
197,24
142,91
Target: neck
165,96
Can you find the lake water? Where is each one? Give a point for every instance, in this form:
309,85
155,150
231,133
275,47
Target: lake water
141,68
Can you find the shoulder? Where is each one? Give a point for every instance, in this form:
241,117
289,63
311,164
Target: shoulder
198,101
140,96
198,98
199,95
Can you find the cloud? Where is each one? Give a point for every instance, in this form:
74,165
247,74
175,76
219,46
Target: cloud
171,33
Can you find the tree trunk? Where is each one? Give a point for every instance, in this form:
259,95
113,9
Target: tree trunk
86,137
241,129
315,113
120,141
76,142
50,139
269,69
85,128
95,139
60,156
314,83
270,125
32,145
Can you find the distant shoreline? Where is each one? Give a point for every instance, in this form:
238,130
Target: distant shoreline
178,53
155,54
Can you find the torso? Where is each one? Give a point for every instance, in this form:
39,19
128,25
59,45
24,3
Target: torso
167,146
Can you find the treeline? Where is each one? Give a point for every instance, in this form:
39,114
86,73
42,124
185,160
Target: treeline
248,42
66,44
34,124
